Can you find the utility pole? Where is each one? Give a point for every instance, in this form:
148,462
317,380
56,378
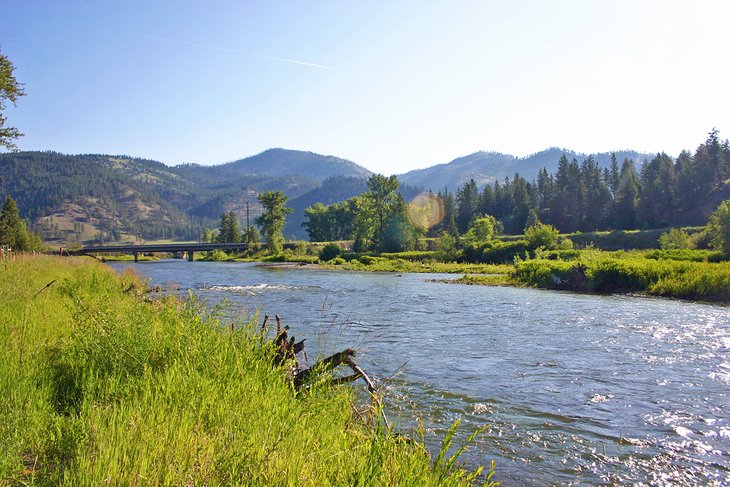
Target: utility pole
248,224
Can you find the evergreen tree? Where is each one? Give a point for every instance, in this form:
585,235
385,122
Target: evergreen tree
614,175
467,200
532,219
566,212
658,193
521,204
448,224
627,197
13,232
486,201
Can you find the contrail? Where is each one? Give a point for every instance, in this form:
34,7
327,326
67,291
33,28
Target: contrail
236,51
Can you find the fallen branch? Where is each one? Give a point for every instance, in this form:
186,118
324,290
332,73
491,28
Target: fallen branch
286,351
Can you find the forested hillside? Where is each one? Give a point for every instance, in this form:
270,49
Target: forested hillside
582,196
92,198
658,192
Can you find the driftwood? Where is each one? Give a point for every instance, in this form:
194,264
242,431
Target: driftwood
287,348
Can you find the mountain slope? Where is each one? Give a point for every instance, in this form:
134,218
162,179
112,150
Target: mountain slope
282,162
92,196
485,167
78,196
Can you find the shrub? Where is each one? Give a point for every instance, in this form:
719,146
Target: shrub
495,252
542,236
329,252
543,273
675,239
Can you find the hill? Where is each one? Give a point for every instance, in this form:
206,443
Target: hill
485,167
93,197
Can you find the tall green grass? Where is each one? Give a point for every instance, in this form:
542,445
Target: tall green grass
100,385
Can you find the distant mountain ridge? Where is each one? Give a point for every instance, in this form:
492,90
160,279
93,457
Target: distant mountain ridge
96,196
485,167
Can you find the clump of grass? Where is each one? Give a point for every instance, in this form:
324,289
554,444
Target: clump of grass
99,384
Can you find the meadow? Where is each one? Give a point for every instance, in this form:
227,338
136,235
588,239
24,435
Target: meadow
101,383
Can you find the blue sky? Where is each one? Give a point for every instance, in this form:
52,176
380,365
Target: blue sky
393,86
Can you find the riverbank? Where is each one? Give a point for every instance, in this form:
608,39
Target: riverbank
698,275
101,384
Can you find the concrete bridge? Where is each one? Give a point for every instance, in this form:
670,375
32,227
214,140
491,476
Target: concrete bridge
187,248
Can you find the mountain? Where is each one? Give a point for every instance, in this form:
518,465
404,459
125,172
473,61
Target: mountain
282,162
71,198
485,167
95,196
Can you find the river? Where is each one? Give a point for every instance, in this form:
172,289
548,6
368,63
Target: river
575,389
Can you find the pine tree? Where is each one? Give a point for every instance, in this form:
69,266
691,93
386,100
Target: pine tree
627,197
13,231
467,200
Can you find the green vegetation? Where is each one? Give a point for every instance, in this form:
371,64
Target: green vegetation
10,90
329,252
675,239
273,219
598,272
13,232
99,384
719,228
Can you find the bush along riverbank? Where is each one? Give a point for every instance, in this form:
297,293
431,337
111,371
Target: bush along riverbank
688,275
99,384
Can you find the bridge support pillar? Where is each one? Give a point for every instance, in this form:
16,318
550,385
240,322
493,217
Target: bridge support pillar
190,255
136,257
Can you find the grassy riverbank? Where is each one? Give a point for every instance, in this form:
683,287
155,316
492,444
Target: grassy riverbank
685,274
101,385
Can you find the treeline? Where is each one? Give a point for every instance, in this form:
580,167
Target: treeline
581,196
662,192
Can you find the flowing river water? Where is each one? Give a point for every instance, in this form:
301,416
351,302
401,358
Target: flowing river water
575,389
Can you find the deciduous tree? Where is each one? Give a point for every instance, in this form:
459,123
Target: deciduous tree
273,219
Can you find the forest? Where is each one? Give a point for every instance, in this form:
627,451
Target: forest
580,196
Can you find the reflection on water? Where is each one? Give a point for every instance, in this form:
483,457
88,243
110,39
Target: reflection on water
575,389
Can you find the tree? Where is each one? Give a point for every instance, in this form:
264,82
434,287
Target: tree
627,197
532,219
273,219
10,90
207,236
251,235
378,209
483,229
467,199
719,228
229,232
448,224
13,231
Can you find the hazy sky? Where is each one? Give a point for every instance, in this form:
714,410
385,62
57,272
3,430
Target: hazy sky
391,85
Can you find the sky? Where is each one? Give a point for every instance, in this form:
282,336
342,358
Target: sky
391,85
